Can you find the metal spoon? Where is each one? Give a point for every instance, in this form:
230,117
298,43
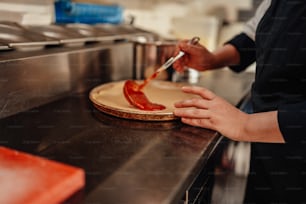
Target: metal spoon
167,64
171,60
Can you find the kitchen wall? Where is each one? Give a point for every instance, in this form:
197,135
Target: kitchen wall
34,12
213,21
183,19
169,18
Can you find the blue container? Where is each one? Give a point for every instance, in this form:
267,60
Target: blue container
69,12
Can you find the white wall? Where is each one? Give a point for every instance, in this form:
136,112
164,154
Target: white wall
183,19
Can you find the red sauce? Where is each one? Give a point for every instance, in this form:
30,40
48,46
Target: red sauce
134,95
146,81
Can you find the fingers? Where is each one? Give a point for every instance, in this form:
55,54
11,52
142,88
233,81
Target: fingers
203,92
181,46
184,46
204,123
192,113
202,102
193,102
195,117
179,65
196,111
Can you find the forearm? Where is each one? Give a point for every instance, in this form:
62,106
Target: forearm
262,127
225,56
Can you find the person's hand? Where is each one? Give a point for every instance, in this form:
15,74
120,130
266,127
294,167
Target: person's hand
212,112
196,57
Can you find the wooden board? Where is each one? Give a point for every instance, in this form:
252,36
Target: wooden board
109,99
25,178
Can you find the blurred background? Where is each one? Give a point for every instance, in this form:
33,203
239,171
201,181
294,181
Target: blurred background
214,21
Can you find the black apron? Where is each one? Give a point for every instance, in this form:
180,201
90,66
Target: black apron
278,171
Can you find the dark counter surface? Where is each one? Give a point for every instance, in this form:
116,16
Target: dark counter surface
125,161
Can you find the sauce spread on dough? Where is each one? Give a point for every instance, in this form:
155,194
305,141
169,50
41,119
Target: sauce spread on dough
134,95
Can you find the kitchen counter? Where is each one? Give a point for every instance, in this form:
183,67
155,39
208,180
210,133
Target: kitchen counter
125,161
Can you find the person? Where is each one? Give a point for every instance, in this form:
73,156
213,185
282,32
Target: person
275,38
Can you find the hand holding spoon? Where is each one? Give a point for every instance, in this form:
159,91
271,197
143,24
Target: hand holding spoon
132,90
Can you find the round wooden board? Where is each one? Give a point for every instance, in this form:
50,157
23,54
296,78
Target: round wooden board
109,98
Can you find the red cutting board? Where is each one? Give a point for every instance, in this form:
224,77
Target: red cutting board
26,178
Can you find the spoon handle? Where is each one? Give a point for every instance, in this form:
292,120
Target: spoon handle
171,60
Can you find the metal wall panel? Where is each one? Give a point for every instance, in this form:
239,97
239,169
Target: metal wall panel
30,79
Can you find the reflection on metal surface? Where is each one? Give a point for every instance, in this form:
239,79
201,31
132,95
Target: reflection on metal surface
135,124
31,79
4,46
17,37
160,171
84,29
35,37
150,55
118,29
64,35
124,162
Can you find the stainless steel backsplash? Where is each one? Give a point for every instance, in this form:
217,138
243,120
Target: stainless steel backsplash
31,79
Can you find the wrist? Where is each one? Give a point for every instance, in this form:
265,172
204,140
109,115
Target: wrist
261,127
244,128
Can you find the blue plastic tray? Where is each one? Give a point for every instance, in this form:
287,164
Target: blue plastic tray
69,12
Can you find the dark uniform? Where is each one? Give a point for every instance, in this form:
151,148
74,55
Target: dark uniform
278,171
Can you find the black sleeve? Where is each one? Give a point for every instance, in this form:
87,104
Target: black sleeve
246,48
291,120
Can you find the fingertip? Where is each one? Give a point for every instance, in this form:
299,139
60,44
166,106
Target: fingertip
176,112
179,68
186,88
184,47
177,105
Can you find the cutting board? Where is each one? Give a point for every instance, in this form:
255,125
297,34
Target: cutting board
26,179
109,98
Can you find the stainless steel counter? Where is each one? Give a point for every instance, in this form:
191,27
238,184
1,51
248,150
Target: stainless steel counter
125,161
